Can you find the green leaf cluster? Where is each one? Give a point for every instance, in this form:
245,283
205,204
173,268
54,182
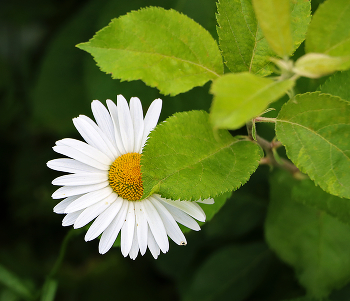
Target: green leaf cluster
192,155
242,40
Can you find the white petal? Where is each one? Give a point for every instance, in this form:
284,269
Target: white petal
109,235
156,225
61,206
103,120
112,146
171,227
137,121
190,208
152,245
89,199
70,165
182,217
142,227
134,247
125,124
70,218
114,114
79,156
103,220
67,191
81,179
94,136
86,149
94,210
127,234
209,201
151,119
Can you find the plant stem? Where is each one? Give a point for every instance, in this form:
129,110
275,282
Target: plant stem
270,158
264,119
59,260
63,249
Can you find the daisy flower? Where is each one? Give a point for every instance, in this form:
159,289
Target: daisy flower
104,183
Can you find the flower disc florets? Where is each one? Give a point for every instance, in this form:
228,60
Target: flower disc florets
125,176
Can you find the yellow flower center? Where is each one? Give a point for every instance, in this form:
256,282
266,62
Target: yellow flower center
124,176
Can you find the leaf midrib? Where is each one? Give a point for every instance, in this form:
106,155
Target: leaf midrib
195,163
315,133
156,54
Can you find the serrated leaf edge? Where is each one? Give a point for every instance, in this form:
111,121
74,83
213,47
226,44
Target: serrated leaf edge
84,46
156,187
301,168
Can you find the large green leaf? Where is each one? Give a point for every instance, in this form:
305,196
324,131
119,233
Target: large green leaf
274,19
314,243
308,194
183,159
338,85
243,96
162,47
315,130
232,273
241,39
329,29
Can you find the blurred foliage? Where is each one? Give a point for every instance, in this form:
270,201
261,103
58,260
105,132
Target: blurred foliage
44,82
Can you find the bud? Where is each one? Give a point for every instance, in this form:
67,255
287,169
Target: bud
315,65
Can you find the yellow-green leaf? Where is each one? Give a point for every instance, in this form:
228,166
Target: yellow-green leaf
275,22
242,96
163,48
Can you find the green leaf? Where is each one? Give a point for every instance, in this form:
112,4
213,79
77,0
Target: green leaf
232,273
315,130
243,96
300,19
314,243
337,85
183,159
308,194
315,65
163,48
241,39
274,19
329,29
14,283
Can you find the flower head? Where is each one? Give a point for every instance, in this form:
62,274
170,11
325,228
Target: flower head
104,183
